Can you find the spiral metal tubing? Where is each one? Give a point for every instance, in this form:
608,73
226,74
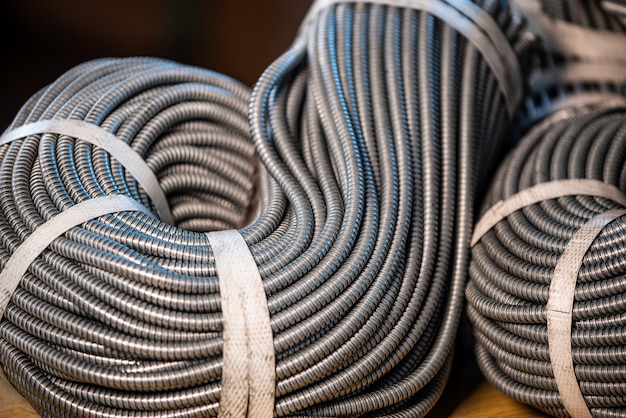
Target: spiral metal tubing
593,14
560,78
373,136
512,266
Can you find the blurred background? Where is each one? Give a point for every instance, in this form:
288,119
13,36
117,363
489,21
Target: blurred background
41,39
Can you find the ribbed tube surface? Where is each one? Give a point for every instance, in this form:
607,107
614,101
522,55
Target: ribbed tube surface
563,74
593,14
374,133
513,264
121,316
379,125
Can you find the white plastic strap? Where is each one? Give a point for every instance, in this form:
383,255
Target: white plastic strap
469,20
540,193
569,39
578,72
248,371
43,236
559,311
98,136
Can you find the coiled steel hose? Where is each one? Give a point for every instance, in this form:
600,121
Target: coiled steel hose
573,120
594,14
121,315
512,266
376,129
379,124
566,74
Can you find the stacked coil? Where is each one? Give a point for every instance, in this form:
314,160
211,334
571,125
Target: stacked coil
572,126
573,61
379,124
513,265
375,130
120,316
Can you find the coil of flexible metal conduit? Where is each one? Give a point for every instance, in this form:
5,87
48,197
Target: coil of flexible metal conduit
565,71
573,61
594,14
119,316
376,129
514,266
379,123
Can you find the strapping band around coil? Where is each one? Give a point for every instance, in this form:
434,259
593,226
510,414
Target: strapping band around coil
559,311
559,307
540,193
469,20
96,135
248,371
56,226
569,39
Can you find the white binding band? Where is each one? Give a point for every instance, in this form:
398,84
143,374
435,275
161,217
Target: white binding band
540,193
56,226
559,307
569,39
578,72
468,19
98,136
559,311
248,371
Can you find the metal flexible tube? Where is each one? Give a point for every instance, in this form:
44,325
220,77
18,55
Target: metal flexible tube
581,99
121,314
512,266
407,116
591,14
566,74
373,132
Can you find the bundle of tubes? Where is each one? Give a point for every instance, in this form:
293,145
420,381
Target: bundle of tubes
374,132
378,125
513,265
574,133
119,316
592,14
574,61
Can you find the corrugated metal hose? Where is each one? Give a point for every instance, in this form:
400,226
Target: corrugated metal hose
379,128
574,126
512,266
121,315
374,132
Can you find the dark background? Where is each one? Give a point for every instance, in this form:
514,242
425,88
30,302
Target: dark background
41,39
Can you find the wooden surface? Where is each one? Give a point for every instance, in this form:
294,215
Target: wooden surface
483,402
12,405
487,402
